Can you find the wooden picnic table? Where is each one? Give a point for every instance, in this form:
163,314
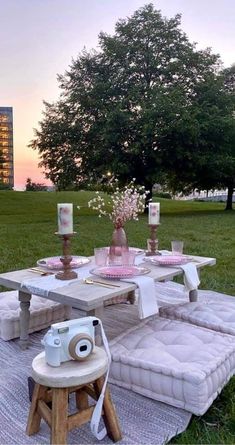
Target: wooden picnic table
89,299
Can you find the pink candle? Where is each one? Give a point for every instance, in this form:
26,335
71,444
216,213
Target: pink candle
65,218
154,213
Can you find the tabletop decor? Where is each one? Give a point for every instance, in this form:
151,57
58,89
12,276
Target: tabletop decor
54,263
119,272
168,260
125,204
154,222
65,232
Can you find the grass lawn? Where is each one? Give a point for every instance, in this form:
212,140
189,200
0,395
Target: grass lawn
29,219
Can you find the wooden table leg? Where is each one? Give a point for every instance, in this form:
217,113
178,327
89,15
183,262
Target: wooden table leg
193,294
131,297
97,312
24,299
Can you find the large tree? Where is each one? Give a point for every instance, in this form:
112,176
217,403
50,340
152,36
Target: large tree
200,149
119,107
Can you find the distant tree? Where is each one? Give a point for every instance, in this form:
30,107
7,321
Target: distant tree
132,108
229,82
34,186
200,148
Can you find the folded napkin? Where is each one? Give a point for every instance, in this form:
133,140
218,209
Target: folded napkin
147,303
191,279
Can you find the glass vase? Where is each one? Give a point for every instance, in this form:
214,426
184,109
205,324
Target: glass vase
118,242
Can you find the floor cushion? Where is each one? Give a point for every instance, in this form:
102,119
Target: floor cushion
174,362
219,316
170,292
43,313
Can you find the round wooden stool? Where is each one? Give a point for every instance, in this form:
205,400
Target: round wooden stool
51,396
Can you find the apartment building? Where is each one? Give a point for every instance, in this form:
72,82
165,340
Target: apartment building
6,146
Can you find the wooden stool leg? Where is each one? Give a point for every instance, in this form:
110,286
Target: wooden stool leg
59,425
34,418
110,416
81,399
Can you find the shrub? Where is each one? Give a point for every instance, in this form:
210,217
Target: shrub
165,195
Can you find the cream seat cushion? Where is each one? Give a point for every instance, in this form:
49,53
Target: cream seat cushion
174,362
219,316
43,313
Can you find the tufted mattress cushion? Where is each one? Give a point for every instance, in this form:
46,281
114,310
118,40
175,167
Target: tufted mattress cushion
43,313
219,316
173,362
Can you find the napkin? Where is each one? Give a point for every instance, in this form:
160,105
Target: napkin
147,303
191,279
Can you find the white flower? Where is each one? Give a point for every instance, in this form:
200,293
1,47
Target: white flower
125,204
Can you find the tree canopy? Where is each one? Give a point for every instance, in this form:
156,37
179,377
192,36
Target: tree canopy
147,105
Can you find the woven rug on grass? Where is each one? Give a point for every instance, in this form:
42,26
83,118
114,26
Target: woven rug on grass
143,421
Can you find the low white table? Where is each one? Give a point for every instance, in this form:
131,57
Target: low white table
87,298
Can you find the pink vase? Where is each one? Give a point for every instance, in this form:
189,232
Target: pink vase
118,242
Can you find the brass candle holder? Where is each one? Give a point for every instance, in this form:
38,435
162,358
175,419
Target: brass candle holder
153,240
67,273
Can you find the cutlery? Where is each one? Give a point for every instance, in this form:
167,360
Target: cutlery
194,260
100,283
40,271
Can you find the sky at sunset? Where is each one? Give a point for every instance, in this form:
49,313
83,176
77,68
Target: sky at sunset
38,39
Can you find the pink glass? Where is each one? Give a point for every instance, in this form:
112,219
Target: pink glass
177,247
128,257
101,256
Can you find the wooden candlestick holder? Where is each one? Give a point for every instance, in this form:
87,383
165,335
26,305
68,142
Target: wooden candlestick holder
153,240
67,273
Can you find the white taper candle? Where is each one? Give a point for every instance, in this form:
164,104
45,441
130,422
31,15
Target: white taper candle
154,213
65,218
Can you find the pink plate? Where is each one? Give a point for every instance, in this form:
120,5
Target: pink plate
119,271
169,260
55,263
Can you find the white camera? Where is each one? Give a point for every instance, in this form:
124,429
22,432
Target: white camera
70,340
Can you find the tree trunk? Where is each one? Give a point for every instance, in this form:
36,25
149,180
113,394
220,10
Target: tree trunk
229,203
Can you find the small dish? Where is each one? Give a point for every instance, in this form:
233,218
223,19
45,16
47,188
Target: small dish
119,272
168,260
54,262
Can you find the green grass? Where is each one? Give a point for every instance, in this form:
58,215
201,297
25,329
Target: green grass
28,222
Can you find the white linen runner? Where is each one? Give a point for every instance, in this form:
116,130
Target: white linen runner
41,285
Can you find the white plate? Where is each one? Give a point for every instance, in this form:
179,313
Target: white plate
119,272
54,262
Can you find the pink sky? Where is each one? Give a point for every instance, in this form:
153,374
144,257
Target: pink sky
38,39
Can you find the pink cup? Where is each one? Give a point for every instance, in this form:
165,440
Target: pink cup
128,257
177,247
101,256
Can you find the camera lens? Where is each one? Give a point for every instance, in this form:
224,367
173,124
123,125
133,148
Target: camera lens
81,346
